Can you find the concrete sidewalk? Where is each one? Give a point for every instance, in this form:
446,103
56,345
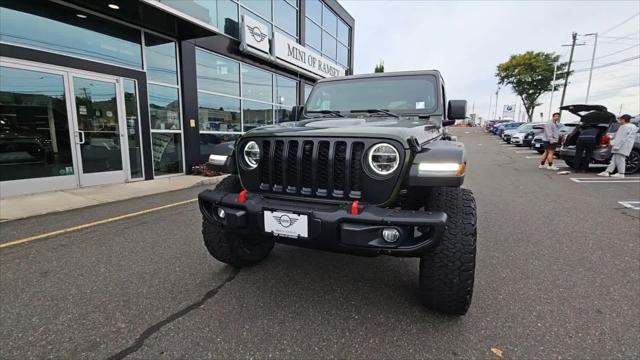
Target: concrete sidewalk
23,206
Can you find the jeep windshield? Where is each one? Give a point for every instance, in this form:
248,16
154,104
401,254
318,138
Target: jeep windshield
404,96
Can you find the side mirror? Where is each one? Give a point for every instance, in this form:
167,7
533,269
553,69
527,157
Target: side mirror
296,113
457,110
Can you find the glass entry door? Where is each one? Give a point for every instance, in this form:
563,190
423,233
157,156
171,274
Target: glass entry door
98,128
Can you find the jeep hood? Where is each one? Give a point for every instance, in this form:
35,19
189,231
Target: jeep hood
399,129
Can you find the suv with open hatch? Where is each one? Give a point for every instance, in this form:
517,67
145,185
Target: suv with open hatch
364,168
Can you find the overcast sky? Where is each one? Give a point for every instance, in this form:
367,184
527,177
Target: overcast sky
466,40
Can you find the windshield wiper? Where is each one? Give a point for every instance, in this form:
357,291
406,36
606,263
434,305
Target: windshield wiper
326,112
376,111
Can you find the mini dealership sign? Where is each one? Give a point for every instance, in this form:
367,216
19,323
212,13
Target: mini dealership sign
284,50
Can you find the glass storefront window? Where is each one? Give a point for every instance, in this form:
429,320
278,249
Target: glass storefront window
256,114
218,113
57,28
343,55
222,14
286,91
282,114
35,139
328,46
313,9
228,18
133,128
329,21
167,153
260,7
209,141
285,16
160,57
217,74
164,107
343,32
312,35
256,84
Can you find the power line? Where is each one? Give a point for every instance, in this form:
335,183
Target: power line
610,64
609,54
620,24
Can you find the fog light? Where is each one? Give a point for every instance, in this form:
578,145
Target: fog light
390,235
221,213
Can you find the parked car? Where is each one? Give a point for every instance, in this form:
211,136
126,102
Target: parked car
492,128
598,116
497,129
536,130
566,129
517,135
491,123
508,126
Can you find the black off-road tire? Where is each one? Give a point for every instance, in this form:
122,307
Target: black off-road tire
233,248
633,162
447,270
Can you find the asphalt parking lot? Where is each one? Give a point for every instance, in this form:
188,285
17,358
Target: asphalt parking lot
558,276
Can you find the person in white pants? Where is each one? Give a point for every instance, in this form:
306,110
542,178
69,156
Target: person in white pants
621,147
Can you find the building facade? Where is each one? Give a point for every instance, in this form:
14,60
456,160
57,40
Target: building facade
110,91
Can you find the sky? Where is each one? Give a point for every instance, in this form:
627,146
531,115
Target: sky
466,40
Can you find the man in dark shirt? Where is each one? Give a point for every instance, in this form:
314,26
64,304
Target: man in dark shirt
585,144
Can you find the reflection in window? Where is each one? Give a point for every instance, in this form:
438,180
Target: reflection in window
328,46
343,55
133,128
285,16
260,7
218,113
222,14
313,9
286,91
209,141
313,35
329,21
282,114
160,55
307,91
167,153
164,107
256,114
343,32
217,74
57,28
256,84
33,120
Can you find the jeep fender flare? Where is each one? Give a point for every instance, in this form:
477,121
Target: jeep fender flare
440,163
222,158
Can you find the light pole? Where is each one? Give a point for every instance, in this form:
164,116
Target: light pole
496,112
593,59
553,87
490,103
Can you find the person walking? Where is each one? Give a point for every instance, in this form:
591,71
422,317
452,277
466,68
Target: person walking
621,147
550,138
586,143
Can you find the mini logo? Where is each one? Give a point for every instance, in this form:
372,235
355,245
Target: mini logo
257,34
285,221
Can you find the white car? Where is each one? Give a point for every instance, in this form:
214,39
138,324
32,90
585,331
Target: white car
519,133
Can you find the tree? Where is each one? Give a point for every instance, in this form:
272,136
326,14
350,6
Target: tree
530,74
379,68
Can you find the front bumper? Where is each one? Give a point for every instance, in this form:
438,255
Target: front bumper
516,140
331,227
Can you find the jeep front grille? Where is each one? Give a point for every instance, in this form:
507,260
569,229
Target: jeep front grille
322,168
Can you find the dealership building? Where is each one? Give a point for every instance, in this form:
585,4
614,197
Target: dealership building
111,91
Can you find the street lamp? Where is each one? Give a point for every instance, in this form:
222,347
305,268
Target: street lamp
593,58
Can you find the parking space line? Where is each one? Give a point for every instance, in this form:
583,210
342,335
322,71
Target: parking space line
525,151
635,205
91,224
595,180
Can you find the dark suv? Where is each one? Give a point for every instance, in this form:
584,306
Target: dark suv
364,168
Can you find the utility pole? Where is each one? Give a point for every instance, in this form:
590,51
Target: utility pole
553,87
496,112
593,59
574,37
490,102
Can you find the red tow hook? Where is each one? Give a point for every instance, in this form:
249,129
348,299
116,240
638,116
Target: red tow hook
354,207
242,196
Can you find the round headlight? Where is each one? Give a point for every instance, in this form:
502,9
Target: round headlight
251,154
384,159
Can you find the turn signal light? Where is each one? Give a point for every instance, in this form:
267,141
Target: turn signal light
354,207
605,140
